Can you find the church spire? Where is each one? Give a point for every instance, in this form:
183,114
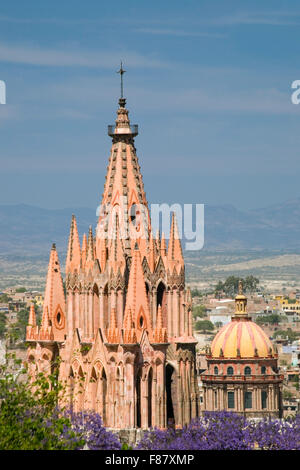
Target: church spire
90,257
32,317
117,259
83,251
74,253
113,333
163,246
152,252
32,328
129,334
124,190
160,333
175,256
54,307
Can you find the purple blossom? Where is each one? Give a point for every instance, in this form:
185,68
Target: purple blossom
89,424
226,431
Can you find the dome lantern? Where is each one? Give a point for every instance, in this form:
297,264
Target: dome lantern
240,304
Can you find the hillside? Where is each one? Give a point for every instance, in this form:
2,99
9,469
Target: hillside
31,230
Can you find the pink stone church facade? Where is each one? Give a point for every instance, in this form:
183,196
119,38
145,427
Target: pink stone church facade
123,332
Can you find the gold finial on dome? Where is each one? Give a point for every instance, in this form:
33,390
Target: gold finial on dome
240,303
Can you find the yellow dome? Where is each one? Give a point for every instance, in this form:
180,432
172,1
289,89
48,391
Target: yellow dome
243,339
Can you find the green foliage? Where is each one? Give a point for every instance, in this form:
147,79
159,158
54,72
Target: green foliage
204,325
29,416
199,311
126,447
291,301
22,321
16,334
272,319
291,335
2,324
85,348
219,289
231,285
196,293
21,290
4,299
286,394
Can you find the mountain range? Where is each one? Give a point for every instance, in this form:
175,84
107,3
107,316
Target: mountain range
30,230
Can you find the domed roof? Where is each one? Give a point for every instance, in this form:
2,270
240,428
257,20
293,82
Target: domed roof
242,338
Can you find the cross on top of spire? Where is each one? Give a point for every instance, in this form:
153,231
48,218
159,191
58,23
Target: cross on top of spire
121,72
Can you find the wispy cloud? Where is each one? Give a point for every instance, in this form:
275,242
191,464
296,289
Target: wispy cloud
54,21
59,57
179,33
89,93
197,100
275,18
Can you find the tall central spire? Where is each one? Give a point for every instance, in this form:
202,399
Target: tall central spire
124,193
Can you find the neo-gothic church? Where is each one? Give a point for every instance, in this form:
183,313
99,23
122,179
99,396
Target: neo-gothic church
123,332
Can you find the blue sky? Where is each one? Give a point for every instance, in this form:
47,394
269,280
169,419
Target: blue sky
208,82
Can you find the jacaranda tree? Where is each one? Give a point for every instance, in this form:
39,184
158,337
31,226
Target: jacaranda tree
32,418
224,431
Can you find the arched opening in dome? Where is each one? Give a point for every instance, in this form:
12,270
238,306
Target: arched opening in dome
216,370
263,369
247,370
229,370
